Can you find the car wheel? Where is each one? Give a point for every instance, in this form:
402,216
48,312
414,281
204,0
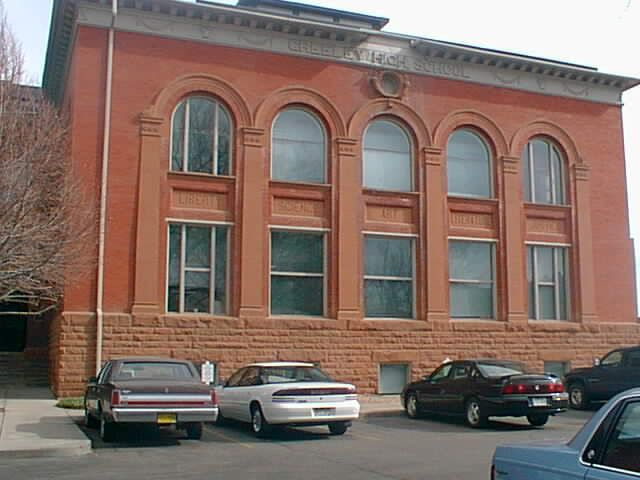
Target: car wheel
538,419
107,430
411,406
474,415
259,424
338,428
220,419
89,420
194,431
577,396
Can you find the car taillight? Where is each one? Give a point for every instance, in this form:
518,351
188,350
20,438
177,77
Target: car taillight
115,398
214,397
514,388
556,388
517,388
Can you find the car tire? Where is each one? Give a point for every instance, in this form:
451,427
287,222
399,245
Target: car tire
259,424
221,420
89,420
411,406
538,419
338,428
194,431
577,396
107,430
474,414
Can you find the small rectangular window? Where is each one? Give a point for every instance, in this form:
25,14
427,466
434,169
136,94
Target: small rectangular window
297,273
471,279
559,369
197,269
388,277
393,378
547,282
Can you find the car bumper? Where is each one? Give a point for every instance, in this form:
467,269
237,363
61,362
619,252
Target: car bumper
311,413
164,415
522,405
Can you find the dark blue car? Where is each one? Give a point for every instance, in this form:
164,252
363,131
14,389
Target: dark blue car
606,448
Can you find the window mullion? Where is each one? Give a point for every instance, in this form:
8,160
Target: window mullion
183,250
185,150
215,137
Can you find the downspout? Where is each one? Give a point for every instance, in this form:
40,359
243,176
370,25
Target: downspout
103,187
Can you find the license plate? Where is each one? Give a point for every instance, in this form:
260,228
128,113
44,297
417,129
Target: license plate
539,402
324,412
166,418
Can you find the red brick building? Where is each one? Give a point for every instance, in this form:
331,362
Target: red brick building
280,181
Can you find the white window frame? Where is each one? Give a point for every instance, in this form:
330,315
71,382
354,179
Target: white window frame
493,283
366,277
491,166
556,281
212,269
552,174
325,143
324,232
412,186
185,139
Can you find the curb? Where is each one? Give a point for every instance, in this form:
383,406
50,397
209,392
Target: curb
79,447
391,412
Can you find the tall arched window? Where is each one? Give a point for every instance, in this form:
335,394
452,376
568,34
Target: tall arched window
543,173
298,148
387,157
468,165
201,137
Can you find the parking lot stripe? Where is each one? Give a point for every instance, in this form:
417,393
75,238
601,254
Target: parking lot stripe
228,438
366,437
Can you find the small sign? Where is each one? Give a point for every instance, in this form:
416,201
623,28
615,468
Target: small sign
208,372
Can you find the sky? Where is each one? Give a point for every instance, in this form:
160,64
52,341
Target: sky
598,33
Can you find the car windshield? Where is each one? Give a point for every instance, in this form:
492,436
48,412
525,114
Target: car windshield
501,369
154,371
289,374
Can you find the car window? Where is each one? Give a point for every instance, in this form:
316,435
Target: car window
153,371
623,447
633,358
612,360
441,373
104,373
235,378
501,369
287,373
249,378
460,372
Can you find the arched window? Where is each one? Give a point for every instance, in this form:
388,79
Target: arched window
543,173
468,165
298,148
201,137
387,157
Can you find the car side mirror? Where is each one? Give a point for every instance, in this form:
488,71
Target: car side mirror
426,378
92,380
596,362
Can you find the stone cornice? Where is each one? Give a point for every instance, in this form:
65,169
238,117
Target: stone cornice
257,30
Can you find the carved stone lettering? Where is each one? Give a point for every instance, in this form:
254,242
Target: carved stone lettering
543,225
298,207
472,220
199,200
378,213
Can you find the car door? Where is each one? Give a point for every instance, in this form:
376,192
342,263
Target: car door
619,456
226,398
456,387
631,373
430,392
244,392
607,379
92,393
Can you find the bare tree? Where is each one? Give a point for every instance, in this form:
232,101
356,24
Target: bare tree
46,223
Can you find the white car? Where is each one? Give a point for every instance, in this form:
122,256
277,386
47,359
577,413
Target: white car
287,393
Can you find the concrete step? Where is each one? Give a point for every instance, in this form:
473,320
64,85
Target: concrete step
15,369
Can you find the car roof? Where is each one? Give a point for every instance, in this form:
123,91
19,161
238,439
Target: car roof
149,359
281,364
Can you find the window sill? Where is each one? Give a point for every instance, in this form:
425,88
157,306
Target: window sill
554,325
227,178
459,196
294,184
478,324
393,193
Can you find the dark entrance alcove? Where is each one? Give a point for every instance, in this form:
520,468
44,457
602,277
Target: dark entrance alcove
13,329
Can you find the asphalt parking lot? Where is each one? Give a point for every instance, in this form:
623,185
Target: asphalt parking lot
392,447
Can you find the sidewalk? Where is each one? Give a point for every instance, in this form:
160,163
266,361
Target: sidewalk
32,426
379,405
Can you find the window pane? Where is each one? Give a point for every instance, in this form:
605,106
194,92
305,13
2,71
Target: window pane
224,142
297,295
557,172
196,292
471,300
470,261
220,299
297,252
198,248
298,148
387,157
201,128
541,171
468,166
547,303
545,264
526,175
177,138
531,283
562,286
388,257
388,298
173,294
